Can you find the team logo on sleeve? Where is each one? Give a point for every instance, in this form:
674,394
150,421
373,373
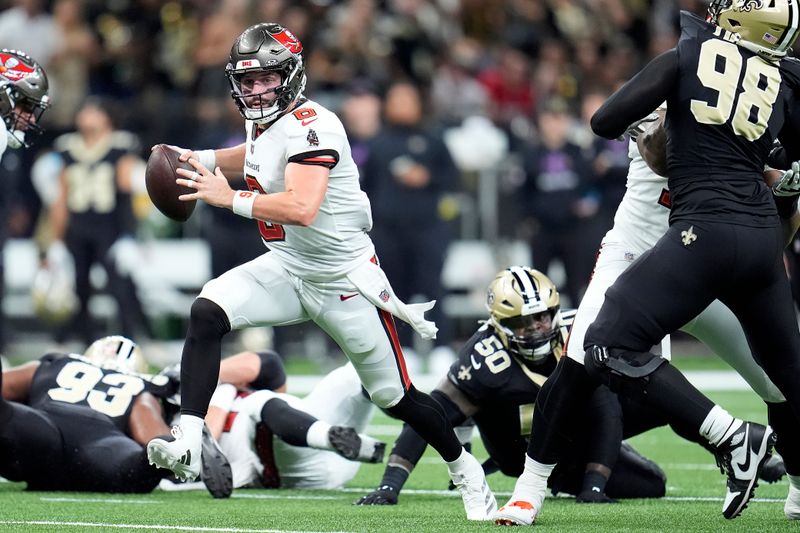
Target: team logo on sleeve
384,295
688,236
464,373
312,138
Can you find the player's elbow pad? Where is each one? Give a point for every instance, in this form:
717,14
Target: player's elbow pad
272,373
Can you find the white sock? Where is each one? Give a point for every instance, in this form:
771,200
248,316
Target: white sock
460,463
794,481
192,428
718,424
532,484
317,436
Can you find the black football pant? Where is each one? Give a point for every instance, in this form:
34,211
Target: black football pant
99,457
689,267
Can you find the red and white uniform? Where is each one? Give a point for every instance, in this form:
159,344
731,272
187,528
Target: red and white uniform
325,272
641,219
337,399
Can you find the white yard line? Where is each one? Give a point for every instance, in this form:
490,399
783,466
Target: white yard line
149,526
95,500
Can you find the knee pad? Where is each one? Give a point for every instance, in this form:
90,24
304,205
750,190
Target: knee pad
388,395
207,318
356,340
622,371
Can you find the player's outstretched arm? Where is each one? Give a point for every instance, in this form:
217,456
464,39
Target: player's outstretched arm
147,419
17,382
639,97
251,370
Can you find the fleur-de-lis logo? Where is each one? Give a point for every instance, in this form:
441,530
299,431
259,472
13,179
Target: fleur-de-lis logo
688,236
748,5
464,373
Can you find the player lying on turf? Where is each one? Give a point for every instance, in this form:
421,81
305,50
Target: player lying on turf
273,439
86,420
497,377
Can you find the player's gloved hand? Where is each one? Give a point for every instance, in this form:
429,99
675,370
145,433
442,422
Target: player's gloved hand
789,184
383,495
638,127
593,496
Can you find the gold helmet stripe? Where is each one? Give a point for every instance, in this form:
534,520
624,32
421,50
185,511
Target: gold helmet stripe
791,29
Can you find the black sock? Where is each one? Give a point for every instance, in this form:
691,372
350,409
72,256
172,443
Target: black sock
202,351
427,418
394,477
286,422
594,481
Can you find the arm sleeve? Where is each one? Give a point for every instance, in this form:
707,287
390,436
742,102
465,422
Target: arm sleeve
410,446
272,373
638,97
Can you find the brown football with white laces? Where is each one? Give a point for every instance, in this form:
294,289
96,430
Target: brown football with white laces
160,179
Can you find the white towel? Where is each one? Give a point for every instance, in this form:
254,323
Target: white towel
371,282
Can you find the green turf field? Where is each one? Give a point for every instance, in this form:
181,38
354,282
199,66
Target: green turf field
693,503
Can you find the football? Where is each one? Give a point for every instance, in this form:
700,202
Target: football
652,144
161,187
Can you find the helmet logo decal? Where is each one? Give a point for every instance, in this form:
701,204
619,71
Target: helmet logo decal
248,63
12,68
290,42
748,5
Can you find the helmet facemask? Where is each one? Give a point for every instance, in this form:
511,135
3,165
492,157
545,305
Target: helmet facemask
531,336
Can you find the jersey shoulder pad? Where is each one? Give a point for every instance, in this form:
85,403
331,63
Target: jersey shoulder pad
790,71
312,116
693,27
54,356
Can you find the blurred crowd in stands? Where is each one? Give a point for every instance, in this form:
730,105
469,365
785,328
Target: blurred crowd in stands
468,118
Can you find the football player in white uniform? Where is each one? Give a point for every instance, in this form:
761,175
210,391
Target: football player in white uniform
273,439
321,265
641,219
23,99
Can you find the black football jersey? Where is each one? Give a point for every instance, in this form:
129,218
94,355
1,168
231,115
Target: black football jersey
94,201
498,383
723,115
71,379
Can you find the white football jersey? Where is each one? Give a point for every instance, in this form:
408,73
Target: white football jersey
643,214
3,137
337,240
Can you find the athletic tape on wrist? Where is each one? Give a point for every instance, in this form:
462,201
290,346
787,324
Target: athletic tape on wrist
243,203
207,158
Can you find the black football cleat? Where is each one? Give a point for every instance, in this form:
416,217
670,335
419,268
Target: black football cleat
352,445
215,468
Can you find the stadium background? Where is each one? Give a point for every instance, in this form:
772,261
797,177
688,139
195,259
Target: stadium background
501,82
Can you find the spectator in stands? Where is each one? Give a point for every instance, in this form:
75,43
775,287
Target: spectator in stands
556,197
406,176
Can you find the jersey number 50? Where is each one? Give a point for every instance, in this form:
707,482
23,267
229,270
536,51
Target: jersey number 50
719,63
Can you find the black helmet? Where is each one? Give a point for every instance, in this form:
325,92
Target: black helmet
267,47
23,87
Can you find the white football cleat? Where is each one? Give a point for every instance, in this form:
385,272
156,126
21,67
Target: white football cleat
792,506
479,502
516,513
176,455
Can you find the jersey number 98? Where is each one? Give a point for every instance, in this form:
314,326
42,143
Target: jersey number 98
748,109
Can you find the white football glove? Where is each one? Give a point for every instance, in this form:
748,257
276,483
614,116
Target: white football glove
789,184
638,127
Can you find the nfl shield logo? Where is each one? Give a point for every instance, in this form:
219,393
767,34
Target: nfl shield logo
384,295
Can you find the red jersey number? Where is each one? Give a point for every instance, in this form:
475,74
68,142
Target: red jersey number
269,231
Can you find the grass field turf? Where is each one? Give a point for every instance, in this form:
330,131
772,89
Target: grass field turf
693,503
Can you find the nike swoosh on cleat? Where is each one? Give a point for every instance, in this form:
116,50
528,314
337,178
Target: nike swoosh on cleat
745,466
